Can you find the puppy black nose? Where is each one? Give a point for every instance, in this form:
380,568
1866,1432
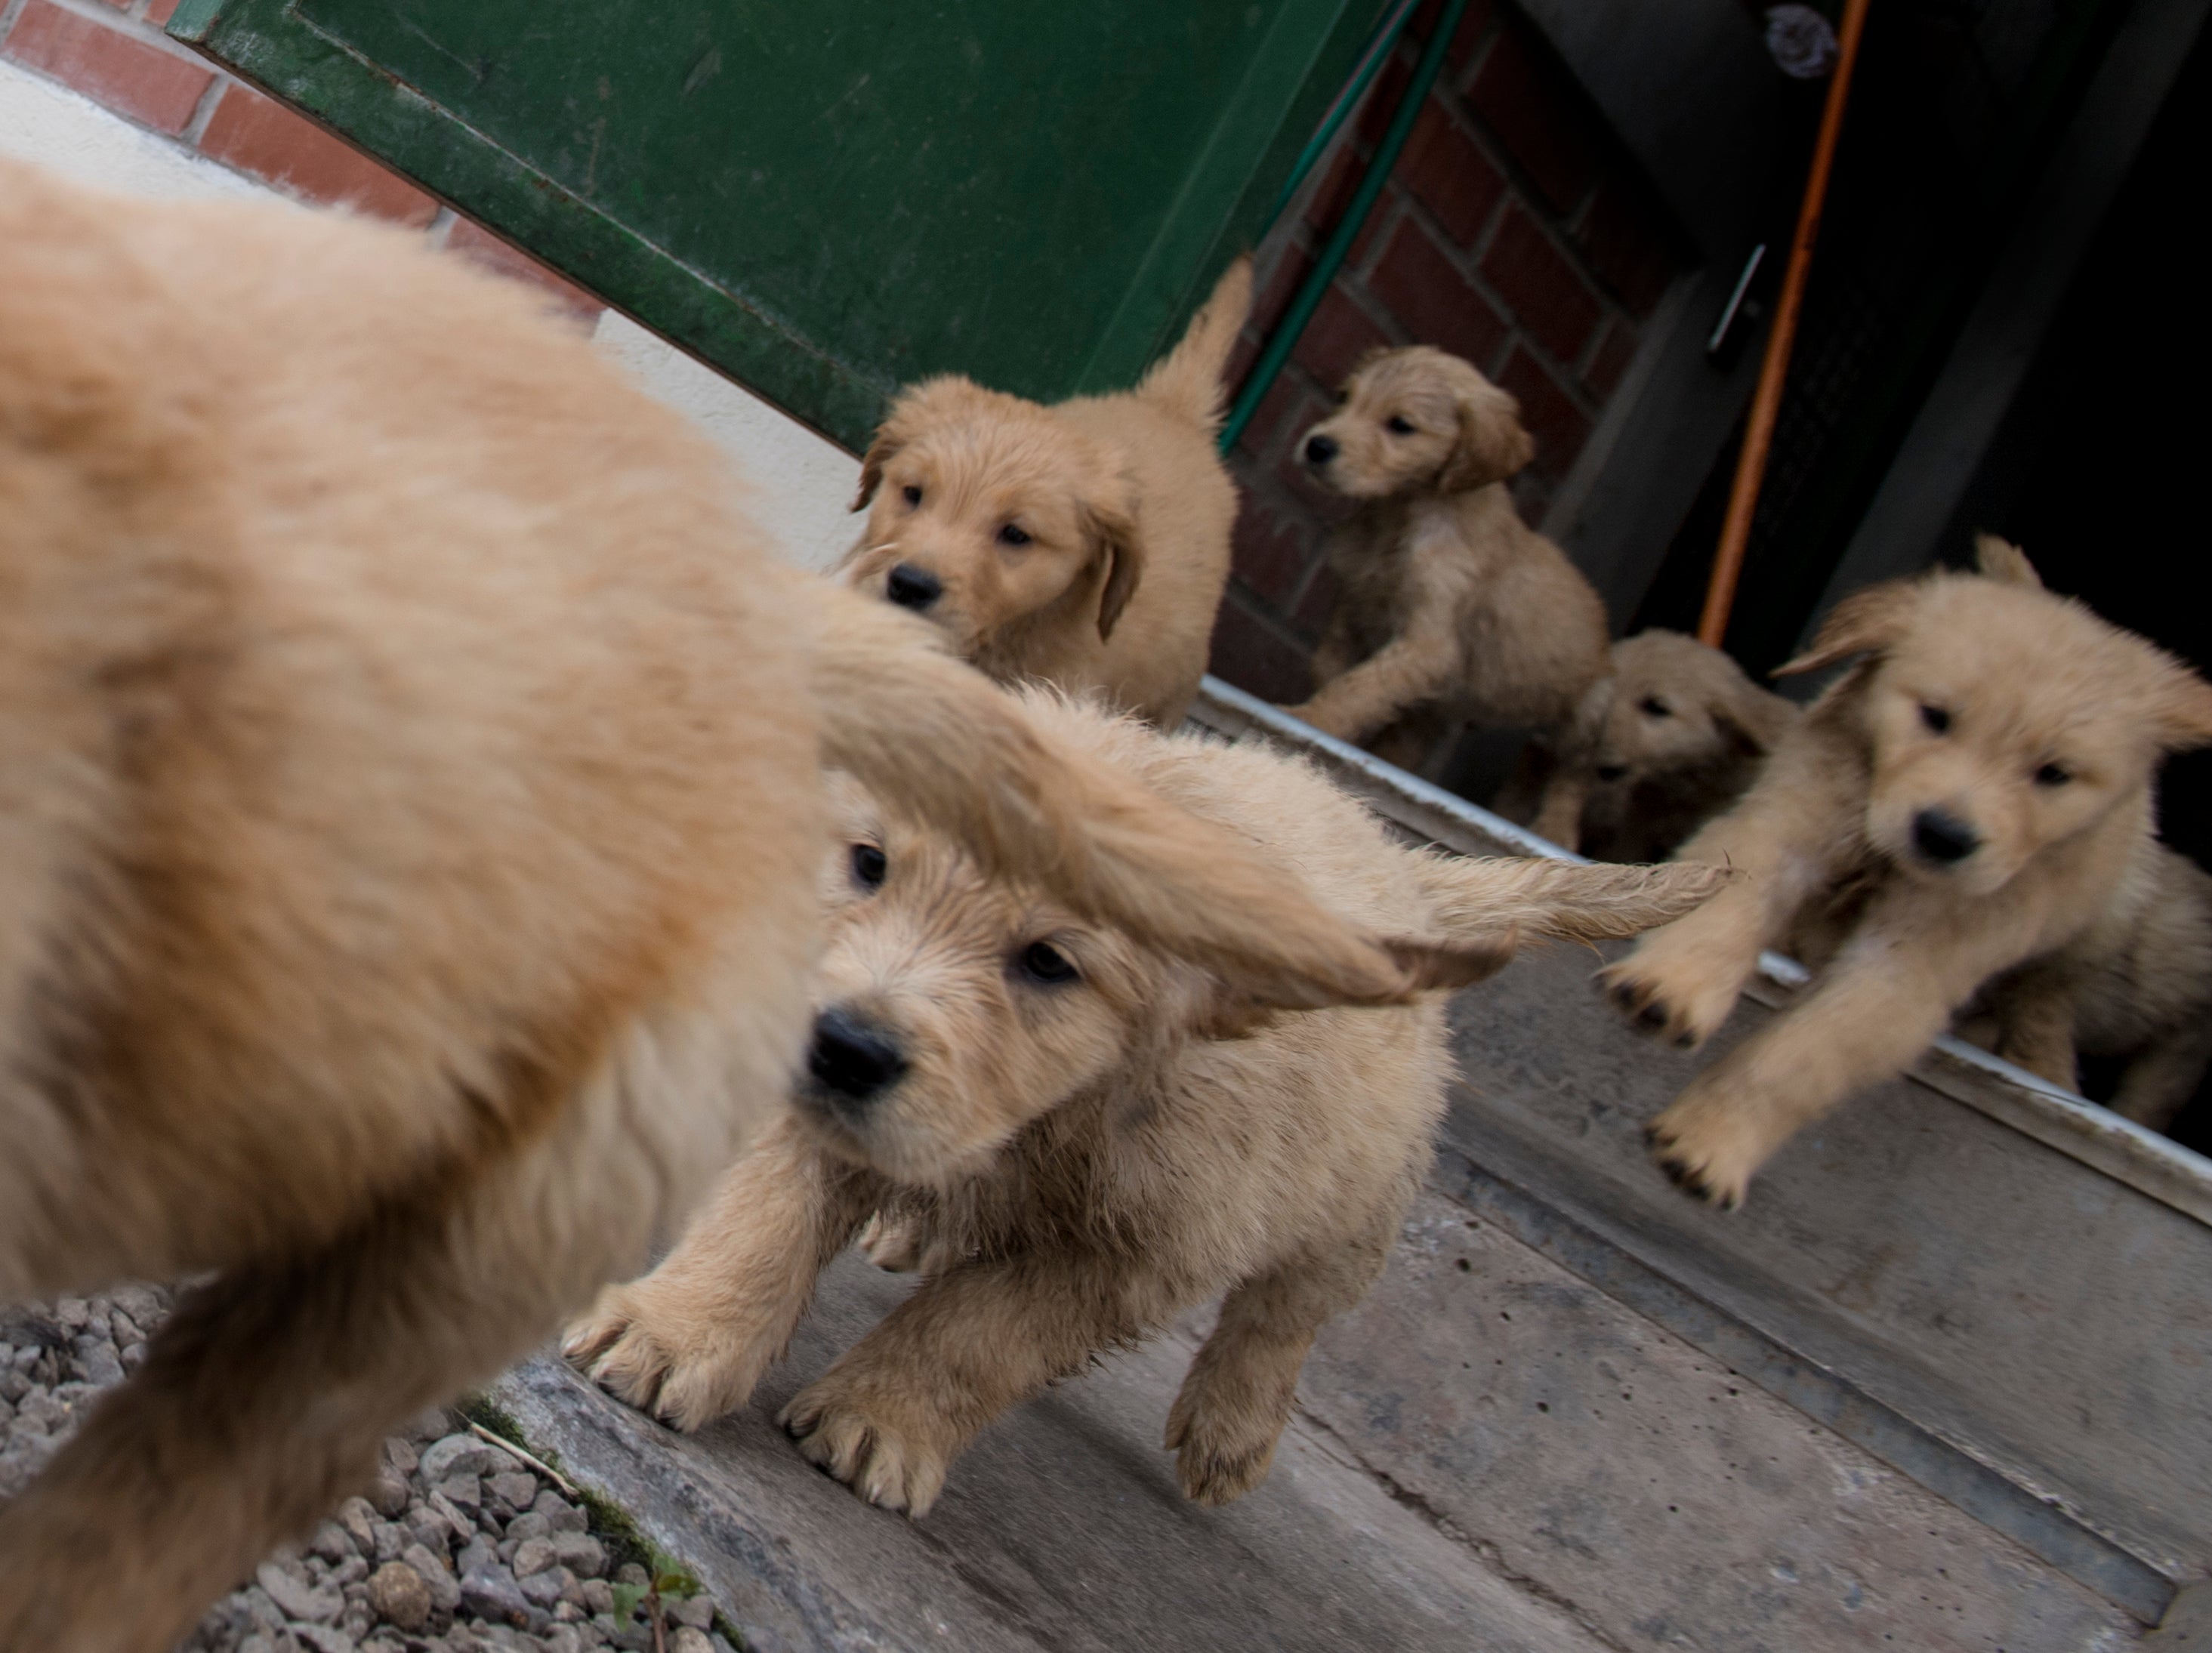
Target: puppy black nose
852,1056
1942,837
1320,450
913,588
1611,771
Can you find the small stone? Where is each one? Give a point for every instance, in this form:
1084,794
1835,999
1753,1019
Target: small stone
133,1355
400,1455
431,1531
696,1610
144,1304
561,1515
464,1524
456,1454
123,1330
690,1639
348,1573
565,1639
492,1593
401,1595
465,1491
528,1525
321,1638
598,1595
631,1573
297,1600
517,1487
387,1494
472,1555
333,1543
445,1589
73,1312
358,1517
535,1557
581,1554
549,1588
391,1538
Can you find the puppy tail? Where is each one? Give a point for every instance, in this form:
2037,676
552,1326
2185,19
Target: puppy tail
932,738
1187,378
1566,900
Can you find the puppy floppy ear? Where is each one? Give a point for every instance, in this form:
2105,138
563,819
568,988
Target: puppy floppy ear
1112,536
1492,444
2003,561
1865,622
872,466
1752,719
2181,708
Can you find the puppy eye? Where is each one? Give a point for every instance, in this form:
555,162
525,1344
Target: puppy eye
869,864
2053,774
1342,396
1010,535
1399,425
1935,717
1045,964
1652,707
913,494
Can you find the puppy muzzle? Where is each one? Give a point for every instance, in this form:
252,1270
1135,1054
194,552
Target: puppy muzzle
1941,840
852,1059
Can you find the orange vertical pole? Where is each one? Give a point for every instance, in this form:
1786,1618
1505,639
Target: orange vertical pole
1766,400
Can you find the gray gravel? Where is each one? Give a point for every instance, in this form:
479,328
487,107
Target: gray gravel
458,1547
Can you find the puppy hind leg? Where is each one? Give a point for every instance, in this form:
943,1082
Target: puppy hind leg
260,1405
1238,1395
688,1342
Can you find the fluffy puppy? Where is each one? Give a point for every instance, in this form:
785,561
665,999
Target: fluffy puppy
1083,545
409,809
1080,1134
1451,608
1667,742
2137,987
1972,797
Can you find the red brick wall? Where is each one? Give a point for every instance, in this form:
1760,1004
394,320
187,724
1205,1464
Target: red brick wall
117,55
1513,232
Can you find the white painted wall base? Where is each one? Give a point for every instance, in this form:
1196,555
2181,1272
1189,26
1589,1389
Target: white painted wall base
801,484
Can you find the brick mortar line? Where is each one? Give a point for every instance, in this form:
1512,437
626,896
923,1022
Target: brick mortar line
9,11
202,113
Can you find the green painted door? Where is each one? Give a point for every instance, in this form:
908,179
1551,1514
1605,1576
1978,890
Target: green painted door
831,197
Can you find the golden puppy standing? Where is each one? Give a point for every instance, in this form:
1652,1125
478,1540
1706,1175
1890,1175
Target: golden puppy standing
410,813
1452,609
1083,545
1974,796
1083,1135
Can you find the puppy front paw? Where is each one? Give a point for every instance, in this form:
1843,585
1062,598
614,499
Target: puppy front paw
687,1370
1220,1458
887,1454
1669,1003
1707,1148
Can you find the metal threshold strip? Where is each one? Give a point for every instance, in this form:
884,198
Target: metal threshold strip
2071,1124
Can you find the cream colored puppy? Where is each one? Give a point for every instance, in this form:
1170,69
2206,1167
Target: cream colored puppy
1083,545
1668,740
1452,608
409,809
1082,1135
1973,797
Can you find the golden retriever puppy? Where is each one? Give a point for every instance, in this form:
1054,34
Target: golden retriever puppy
409,816
1080,1134
1452,609
1670,739
1083,545
1972,797
2137,987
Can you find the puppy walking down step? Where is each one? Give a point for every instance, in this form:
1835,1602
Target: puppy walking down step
1083,545
1080,1135
411,800
1452,609
1973,797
